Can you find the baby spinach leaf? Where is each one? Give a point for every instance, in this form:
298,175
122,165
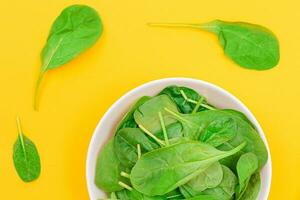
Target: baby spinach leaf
26,157
209,178
253,188
246,167
147,114
128,120
108,169
125,145
163,170
175,93
224,191
249,45
76,29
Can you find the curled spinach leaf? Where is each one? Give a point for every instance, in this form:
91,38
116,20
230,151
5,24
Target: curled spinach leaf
249,45
76,29
163,170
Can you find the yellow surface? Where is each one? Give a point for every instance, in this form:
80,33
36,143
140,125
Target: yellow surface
129,53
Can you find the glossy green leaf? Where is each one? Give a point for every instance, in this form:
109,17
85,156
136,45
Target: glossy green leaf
76,29
209,178
246,167
108,169
253,188
147,114
26,157
163,170
249,45
125,145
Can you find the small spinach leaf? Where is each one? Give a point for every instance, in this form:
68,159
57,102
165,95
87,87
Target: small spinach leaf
246,167
163,170
108,169
209,178
26,157
147,114
253,188
76,29
249,45
125,145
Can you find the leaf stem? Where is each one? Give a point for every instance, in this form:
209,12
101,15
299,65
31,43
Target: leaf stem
195,102
198,105
36,93
124,185
162,123
124,174
21,136
162,143
211,26
139,152
177,116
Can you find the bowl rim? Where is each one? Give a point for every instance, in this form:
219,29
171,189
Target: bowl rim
135,90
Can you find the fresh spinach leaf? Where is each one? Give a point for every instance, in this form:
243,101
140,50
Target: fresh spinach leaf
209,178
163,170
253,188
224,130
224,191
128,120
125,145
146,115
108,169
76,29
246,167
26,157
249,45
185,106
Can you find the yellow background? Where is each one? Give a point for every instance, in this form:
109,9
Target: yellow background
75,96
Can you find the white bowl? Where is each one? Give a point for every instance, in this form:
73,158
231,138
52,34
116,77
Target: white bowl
215,95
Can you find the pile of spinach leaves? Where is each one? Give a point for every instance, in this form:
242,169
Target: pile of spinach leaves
177,146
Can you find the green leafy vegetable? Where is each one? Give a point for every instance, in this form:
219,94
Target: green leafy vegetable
209,178
253,188
249,45
125,145
26,157
147,114
246,167
163,170
76,29
128,120
176,146
178,94
109,164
